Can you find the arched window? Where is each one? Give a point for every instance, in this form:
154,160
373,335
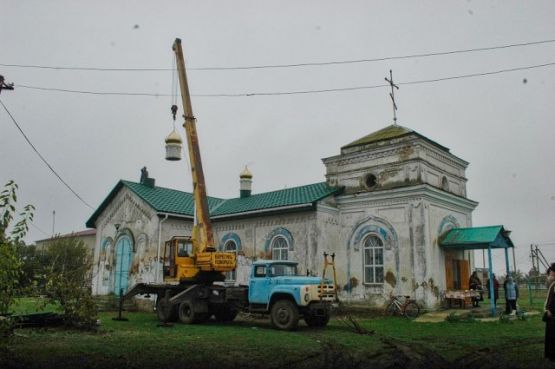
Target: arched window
373,259
279,248
230,246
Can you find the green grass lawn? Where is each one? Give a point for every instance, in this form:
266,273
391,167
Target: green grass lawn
252,343
28,305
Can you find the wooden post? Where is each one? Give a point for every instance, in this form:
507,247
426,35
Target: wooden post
507,261
491,288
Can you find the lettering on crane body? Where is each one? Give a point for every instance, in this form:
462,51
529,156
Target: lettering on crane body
224,258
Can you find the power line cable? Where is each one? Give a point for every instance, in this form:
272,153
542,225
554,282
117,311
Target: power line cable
422,55
92,92
342,89
479,74
40,230
42,157
292,65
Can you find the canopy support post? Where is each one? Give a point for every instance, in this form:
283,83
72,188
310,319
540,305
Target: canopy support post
507,261
491,289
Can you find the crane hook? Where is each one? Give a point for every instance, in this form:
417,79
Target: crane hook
174,111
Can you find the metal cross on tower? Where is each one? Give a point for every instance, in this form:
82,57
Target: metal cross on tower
392,95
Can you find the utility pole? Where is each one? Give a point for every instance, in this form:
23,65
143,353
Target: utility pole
53,222
4,85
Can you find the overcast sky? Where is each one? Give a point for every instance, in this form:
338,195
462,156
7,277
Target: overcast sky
503,124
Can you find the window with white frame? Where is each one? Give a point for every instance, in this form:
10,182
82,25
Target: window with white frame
280,247
231,246
373,259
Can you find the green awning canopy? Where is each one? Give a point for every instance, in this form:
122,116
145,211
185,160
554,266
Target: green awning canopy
476,238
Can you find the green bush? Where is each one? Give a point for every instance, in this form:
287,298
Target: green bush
67,268
10,264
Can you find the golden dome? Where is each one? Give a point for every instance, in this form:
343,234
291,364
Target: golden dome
245,173
174,137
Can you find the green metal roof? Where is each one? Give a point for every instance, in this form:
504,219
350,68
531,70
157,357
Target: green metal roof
387,133
476,238
277,199
166,200
163,200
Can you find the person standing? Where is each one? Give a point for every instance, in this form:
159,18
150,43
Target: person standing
475,284
495,290
549,313
511,294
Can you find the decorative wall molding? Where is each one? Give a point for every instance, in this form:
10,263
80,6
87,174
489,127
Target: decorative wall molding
230,236
447,223
279,232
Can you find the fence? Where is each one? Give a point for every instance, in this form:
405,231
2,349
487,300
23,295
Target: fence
531,295
536,293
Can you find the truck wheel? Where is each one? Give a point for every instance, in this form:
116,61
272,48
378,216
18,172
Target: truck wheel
285,315
165,312
187,313
316,321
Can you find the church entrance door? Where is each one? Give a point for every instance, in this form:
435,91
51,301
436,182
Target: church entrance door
123,262
456,272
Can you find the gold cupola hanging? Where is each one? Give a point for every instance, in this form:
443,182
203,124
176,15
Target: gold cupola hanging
173,141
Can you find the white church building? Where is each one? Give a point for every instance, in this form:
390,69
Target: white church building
386,200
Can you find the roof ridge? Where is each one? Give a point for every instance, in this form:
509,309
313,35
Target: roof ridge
492,226
125,181
390,132
283,189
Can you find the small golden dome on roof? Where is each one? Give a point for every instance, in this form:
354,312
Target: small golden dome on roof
245,173
174,137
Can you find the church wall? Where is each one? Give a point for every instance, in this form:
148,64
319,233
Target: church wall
444,218
408,161
138,223
328,238
408,223
257,232
392,222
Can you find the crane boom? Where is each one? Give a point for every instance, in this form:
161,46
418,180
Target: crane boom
194,259
204,240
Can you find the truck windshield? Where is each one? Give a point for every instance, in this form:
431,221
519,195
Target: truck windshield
283,270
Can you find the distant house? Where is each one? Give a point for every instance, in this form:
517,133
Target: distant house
88,237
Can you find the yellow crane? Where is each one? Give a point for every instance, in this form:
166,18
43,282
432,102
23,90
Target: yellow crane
194,259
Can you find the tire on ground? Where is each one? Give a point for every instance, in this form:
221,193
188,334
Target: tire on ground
188,315
284,315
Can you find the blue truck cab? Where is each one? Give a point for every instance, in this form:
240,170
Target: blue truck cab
275,287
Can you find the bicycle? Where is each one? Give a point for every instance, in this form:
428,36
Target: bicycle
402,305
